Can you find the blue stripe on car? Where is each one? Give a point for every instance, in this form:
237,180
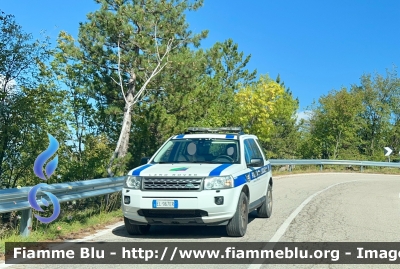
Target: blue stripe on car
180,136
217,171
140,169
241,179
230,136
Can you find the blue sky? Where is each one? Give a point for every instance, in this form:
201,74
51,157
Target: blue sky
315,46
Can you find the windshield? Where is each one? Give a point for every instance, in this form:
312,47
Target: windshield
199,150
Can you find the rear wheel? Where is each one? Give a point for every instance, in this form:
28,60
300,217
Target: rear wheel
265,210
237,226
134,229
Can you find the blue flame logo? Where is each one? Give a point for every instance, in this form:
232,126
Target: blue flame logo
44,156
32,201
38,170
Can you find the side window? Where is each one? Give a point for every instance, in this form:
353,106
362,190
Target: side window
247,151
252,151
256,150
259,146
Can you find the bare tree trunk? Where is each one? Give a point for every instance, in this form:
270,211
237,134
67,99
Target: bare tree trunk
2,153
132,97
337,145
123,141
123,149
3,148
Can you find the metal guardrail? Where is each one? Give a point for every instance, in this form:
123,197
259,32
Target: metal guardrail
17,199
322,162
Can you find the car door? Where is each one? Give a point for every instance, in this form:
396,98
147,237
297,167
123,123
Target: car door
257,184
265,176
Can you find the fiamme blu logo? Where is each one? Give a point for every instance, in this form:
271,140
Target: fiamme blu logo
38,170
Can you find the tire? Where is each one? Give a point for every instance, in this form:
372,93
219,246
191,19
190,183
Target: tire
265,210
237,226
134,229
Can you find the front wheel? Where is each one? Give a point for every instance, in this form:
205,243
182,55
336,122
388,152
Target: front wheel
237,226
134,229
265,210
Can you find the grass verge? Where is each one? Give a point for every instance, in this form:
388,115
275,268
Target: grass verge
72,226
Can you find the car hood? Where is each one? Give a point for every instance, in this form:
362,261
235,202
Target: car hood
185,169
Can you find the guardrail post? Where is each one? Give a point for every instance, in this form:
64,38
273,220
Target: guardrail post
362,168
320,168
25,225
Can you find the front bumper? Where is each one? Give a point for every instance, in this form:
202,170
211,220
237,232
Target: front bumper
194,207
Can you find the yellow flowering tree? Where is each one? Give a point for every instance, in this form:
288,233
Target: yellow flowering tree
256,105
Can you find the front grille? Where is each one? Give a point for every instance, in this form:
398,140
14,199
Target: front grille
180,184
177,213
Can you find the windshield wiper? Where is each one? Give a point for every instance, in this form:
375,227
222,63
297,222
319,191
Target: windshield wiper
188,162
174,162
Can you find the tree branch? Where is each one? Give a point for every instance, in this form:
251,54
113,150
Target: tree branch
119,74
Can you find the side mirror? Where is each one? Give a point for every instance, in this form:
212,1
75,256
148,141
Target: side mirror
144,160
257,162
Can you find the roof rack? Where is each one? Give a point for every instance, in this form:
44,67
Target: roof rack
225,130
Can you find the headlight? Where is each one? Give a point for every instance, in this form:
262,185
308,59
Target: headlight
132,182
211,183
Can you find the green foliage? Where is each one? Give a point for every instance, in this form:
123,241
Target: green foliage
198,89
284,134
380,100
225,73
121,49
88,163
94,82
356,123
30,105
133,27
333,123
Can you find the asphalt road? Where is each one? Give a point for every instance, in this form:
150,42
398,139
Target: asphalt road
351,207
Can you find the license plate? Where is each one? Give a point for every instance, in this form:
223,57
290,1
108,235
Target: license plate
165,203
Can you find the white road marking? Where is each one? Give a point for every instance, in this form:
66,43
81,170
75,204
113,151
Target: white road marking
106,230
285,225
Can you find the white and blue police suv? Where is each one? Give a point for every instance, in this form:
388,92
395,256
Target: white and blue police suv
207,176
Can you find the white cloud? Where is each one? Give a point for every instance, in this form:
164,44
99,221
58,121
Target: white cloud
306,114
10,87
